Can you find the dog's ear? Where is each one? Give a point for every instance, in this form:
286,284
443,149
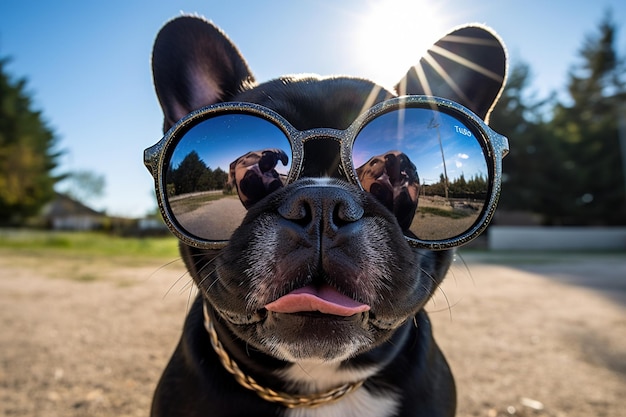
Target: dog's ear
194,64
468,66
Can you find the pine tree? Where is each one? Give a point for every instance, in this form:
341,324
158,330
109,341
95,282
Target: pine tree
27,153
534,155
587,129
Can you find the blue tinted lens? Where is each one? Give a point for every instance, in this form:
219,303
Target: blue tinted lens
220,167
428,167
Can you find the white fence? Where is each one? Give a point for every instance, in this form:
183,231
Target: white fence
556,238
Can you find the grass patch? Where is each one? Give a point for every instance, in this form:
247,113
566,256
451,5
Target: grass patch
452,214
88,244
85,257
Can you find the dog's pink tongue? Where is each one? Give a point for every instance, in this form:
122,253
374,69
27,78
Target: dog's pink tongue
324,299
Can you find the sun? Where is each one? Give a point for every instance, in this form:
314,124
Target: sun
392,35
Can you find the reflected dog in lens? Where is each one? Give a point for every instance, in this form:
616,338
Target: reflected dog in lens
254,175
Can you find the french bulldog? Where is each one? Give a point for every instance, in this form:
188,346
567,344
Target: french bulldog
316,305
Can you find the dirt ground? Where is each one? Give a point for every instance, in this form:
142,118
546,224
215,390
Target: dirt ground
525,335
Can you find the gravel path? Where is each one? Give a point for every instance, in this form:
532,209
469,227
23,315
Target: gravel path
525,337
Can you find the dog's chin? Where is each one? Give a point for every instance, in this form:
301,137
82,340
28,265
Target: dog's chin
298,337
307,336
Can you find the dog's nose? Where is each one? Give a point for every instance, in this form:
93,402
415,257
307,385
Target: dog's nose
321,208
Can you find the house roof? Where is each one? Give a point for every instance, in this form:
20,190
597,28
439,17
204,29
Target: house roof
64,206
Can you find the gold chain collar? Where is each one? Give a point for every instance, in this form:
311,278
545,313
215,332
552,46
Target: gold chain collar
287,400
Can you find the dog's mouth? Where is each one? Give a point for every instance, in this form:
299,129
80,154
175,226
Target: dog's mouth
312,322
315,302
321,301
310,300
324,299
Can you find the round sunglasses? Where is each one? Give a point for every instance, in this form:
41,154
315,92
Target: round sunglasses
432,162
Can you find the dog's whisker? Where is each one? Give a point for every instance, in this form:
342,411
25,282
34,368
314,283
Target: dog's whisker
429,276
204,264
183,275
450,305
165,265
207,275
466,267
436,288
188,285
449,308
190,297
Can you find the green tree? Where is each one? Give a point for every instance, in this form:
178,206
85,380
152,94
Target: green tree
534,155
187,177
477,187
220,177
587,129
27,153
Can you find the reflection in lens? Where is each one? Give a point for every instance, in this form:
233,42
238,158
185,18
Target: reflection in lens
427,167
222,166
392,178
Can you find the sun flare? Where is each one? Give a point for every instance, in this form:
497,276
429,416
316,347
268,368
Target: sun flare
392,35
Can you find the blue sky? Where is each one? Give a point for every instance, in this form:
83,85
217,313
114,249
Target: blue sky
88,62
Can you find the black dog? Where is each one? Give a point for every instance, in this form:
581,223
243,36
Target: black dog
352,338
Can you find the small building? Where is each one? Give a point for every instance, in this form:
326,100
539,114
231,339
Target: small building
65,213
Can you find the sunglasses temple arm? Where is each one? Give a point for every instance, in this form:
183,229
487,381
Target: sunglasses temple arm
501,144
150,159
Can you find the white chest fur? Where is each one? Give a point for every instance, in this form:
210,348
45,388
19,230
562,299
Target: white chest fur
316,376
360,403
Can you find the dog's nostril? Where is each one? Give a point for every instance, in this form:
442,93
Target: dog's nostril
300,213
341,217
346,212
338,218
325,207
